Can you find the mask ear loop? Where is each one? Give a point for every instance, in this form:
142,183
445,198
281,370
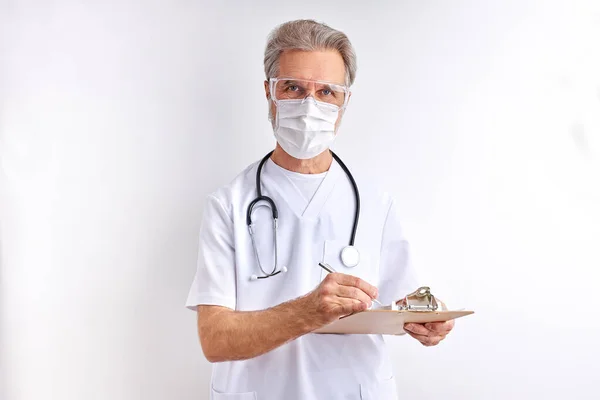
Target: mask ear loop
341,113
340,119
269,112
273,119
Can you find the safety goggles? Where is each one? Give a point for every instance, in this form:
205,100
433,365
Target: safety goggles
299,89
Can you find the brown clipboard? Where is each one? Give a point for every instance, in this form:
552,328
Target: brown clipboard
387,322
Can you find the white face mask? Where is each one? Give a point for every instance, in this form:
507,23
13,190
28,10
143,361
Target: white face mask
305,128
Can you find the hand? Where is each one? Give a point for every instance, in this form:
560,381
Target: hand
431,333
339,295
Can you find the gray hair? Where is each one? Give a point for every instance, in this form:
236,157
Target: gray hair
308,35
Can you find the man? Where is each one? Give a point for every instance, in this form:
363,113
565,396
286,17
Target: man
259,291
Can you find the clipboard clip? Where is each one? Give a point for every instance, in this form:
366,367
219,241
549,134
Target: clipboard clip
419,300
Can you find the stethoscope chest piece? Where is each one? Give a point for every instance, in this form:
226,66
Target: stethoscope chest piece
350,256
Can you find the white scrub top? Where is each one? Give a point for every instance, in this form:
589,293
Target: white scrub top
314,366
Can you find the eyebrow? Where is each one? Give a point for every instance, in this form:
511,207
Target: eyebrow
327,85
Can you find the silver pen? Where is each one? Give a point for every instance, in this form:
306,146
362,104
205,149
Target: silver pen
328,268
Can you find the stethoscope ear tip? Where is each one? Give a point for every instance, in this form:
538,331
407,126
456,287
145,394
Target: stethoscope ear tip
284,269
253,277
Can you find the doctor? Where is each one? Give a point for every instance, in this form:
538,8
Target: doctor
259,291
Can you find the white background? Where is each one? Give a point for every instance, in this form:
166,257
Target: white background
117,119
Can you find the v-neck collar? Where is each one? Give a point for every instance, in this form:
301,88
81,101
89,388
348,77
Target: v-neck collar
279,186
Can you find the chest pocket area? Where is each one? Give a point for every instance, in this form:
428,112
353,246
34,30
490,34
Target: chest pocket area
367,270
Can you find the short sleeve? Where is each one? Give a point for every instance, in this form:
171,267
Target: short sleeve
397,276
214,282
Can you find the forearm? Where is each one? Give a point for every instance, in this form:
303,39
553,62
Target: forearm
228,335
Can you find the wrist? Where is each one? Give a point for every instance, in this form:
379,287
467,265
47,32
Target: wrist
305,315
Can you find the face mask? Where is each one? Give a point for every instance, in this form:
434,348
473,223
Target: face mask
305,128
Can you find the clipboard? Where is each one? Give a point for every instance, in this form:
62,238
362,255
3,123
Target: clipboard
418,307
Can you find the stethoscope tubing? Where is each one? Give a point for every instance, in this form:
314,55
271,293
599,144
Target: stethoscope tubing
275,213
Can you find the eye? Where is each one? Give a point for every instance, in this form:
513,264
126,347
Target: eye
327,92
293,88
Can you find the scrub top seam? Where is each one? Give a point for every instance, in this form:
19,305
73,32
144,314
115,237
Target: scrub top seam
222,207
387,216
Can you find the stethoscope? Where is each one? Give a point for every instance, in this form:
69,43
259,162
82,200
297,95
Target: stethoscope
349,254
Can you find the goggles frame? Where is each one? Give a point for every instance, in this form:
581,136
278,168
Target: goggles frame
273,84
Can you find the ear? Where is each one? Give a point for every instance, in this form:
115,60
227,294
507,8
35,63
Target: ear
267,91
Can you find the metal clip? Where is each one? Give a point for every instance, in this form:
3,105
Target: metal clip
419,300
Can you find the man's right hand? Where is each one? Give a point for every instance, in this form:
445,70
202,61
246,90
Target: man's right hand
338,295
228,335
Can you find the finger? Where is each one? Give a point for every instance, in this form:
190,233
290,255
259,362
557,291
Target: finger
440,327
352,292
354,281
418,329
427,340
348,307
424,339
338,291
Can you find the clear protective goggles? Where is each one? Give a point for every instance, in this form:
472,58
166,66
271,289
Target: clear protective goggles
300,89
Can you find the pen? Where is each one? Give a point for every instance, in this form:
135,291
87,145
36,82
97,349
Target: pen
328,268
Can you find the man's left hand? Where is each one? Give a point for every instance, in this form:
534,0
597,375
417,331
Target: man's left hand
431,333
